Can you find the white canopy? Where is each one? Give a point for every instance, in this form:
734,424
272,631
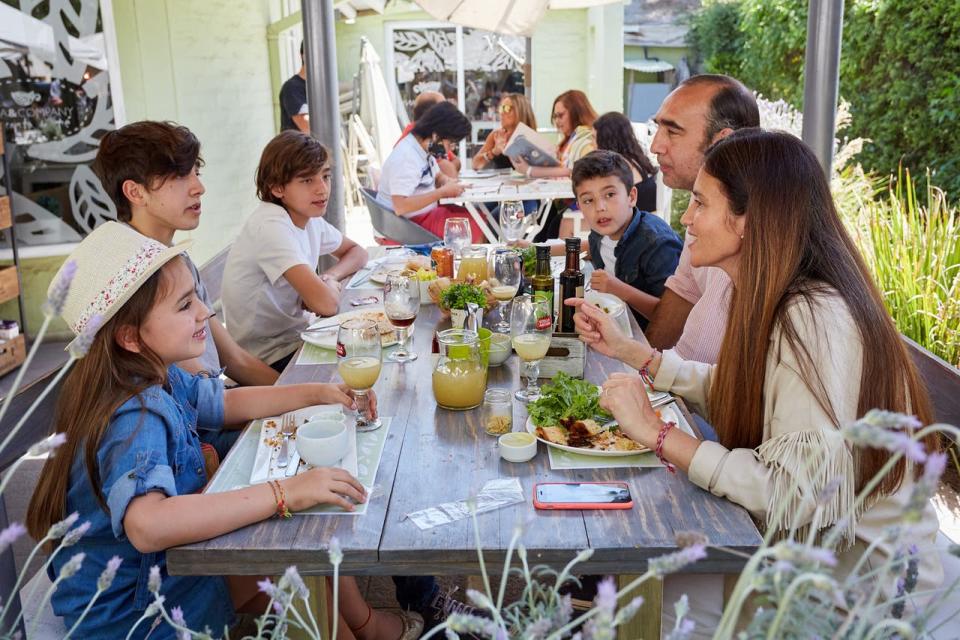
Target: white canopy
376,106
19,31
515,17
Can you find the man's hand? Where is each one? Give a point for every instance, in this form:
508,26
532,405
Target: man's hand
452,189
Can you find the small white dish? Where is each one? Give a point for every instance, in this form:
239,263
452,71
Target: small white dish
517,446
323,442
500,349
613,306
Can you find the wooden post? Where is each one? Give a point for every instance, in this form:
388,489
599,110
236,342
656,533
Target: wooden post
646,623
320,605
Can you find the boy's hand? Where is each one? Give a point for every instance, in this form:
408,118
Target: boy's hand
323,485
451,189
604,282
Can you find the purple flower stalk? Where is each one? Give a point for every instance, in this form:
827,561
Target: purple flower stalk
106,578
176,614
266,586
153,582
57,297
891,420
72,566
607,595
296,582
673,562
47,445
865,434
10,535
335,552
58,529
73,536
81,345
796,553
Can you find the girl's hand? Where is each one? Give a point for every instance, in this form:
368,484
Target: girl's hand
499,142
625,396
520,164
598,330
323,485
339,393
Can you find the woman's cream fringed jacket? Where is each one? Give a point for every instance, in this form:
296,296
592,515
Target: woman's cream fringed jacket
802,450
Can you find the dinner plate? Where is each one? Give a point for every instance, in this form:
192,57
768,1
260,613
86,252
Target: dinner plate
379,277
328,339
668,412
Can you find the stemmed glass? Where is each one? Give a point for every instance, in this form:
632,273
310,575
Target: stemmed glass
531,324
512,220
358,361
401,301
456,234
507,274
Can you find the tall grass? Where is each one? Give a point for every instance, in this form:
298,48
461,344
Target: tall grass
912,247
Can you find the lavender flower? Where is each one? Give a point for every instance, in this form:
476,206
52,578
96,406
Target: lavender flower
673,562
627,612
277,608
58,529
829,490
540,628
296,582
81,345
47,445
10,535
154,607
866,434
565,610
463,624
925,487
607,594
72,566
57,297
266,586
106,578
176,614
153,582
73,536
335,552
891,420
796,553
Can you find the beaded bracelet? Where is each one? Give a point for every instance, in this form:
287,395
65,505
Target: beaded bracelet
282,510
661,437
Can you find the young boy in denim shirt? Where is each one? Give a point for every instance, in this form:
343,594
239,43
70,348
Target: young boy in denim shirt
633,251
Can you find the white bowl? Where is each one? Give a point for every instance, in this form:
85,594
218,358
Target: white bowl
614,306
323,442
518,446
500,349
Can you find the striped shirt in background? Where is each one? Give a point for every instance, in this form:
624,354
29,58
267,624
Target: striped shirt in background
708,290
580,144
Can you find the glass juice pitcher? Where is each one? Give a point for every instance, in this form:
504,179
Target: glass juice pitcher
459,377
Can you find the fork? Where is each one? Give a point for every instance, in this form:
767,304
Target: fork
287,425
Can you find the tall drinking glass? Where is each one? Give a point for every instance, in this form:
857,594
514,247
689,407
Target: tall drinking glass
512,220
531,325
456,234
401,301
358,361
507,274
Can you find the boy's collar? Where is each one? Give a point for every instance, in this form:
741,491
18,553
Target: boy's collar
633,225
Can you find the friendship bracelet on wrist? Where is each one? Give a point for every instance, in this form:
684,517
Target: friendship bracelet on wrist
645,368
282,510
661,437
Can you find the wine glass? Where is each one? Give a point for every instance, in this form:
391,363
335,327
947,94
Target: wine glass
512,220
401,301
358,361
456,234
531,324
507,274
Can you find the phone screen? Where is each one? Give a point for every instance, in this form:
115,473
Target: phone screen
577,493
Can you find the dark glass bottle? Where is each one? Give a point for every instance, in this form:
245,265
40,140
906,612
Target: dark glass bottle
571,284
542,280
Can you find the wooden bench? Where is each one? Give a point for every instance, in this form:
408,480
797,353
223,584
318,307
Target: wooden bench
942,380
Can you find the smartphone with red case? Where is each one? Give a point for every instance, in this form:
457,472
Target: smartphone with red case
582,495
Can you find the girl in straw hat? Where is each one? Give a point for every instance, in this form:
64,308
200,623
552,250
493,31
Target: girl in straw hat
132,465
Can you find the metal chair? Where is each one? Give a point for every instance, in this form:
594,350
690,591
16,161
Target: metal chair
393,227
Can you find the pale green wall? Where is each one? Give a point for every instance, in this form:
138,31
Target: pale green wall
667,54
204,65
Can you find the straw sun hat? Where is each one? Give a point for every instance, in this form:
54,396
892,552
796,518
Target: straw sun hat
111,264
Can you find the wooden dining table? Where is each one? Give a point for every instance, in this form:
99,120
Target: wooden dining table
433,455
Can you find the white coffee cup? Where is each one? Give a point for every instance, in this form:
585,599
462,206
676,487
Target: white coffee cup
324,441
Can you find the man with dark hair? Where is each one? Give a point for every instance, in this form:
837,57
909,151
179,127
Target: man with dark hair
633,251
449,163
691,316
294,112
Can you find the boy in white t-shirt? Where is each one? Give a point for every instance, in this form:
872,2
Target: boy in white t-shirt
271,289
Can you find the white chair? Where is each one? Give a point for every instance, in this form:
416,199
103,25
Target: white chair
644,132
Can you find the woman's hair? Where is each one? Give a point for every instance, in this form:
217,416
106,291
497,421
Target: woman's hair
291,154
578,106
147,152
94,389
615,133
522,107
795,247
445,120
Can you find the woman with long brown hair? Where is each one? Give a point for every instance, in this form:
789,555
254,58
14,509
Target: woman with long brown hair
613,132
514,108
808,348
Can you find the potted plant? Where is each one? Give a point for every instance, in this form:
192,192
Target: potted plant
457,296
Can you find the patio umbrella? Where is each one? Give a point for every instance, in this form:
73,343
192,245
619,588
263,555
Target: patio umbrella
376,106
514,17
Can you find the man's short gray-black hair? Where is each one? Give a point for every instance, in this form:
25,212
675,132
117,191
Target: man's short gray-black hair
733,106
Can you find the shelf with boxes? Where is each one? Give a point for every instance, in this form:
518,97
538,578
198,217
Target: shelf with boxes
13,346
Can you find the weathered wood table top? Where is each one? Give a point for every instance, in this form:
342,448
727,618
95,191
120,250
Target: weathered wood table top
433,455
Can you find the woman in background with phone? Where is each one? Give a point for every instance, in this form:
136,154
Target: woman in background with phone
809,347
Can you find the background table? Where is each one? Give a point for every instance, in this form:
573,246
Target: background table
432,456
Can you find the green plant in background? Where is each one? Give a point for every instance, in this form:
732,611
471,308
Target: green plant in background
912,247
459,295
899,68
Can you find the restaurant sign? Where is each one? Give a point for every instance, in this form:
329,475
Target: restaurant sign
40,110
